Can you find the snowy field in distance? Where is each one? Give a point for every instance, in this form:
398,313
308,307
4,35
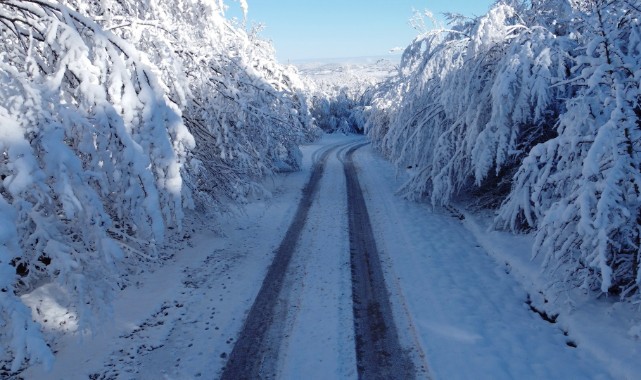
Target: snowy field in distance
346,71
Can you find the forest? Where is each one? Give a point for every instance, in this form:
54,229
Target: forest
120,117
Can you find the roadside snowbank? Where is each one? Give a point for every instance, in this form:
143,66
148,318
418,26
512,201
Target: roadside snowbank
610,330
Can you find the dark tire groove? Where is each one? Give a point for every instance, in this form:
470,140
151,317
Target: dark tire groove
247,356
379,354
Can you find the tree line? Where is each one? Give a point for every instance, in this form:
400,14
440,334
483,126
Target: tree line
116,117
533,110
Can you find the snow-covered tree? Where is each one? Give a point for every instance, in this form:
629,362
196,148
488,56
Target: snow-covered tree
116,116
96,117
339,100
534,106
469,100
581,190
338,111
246,111
92,154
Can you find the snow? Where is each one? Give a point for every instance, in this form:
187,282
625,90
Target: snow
604,328
462,302
348,72
181,319
101,109
518,109
460,295
112,125
321,290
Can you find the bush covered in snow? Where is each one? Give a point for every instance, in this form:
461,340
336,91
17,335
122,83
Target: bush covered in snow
115,117
536,106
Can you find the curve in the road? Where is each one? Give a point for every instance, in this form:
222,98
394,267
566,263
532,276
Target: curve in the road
379,353
250,350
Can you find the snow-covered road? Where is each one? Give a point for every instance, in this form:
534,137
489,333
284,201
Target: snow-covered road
305,291
311,300
459,314
469,315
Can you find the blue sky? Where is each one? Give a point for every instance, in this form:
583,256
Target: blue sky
308,29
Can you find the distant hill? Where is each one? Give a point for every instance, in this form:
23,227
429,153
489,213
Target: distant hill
345,71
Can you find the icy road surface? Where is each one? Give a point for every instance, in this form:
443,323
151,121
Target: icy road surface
453,312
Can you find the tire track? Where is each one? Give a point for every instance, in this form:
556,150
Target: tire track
252,347
379,353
